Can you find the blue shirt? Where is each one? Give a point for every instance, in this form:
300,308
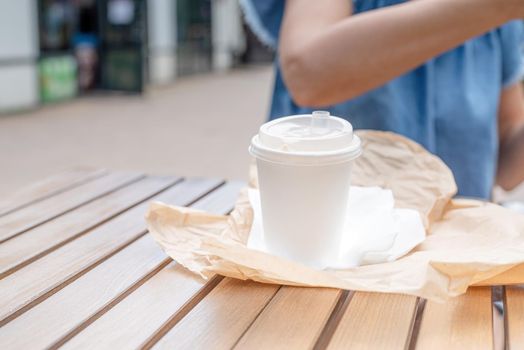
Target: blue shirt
448,104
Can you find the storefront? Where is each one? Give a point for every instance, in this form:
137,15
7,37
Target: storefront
89,45
55,50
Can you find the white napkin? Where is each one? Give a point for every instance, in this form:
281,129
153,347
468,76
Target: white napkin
375,231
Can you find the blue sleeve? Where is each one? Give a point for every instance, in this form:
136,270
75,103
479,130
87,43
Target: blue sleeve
264,18
512,40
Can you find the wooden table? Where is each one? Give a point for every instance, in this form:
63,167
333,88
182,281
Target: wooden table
79,270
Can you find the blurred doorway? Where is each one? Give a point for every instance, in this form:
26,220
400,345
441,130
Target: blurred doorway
123,41
194,36
57,64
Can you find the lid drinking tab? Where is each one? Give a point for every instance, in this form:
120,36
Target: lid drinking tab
319,121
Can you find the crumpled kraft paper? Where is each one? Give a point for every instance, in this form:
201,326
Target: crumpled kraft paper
468,243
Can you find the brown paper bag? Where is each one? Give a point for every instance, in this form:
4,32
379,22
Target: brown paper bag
469,242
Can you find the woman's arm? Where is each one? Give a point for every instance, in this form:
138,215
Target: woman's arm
511,134
328,56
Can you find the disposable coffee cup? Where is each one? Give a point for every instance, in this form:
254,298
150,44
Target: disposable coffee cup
304,167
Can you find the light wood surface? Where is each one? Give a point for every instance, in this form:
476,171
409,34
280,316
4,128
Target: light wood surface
40,240
295,317
515,316
228,193
78,270
218,321
375,321
56,269
48,187
463,322
55,317
135,320
141,314
26,218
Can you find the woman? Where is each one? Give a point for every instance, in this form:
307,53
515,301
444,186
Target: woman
445,73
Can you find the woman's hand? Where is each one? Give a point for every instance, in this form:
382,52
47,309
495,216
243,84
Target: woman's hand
329,56
511,134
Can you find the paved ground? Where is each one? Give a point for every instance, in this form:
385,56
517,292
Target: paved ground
200,125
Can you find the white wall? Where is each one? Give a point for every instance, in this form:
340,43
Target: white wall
18,87
18,54
228,34
162,40
18,29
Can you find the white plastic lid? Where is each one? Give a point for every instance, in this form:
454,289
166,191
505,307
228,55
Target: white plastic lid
308,139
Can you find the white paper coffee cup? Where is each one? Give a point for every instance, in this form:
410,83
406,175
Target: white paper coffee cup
304,169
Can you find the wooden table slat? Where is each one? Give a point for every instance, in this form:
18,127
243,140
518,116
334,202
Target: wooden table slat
25,248
463,322
51,320
226,195
35,281
294,318
136,318
48,187
375,321
220,319
24,219
515,316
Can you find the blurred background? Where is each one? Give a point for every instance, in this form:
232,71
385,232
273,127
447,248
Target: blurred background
160,86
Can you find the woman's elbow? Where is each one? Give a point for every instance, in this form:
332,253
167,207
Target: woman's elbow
303,83
311,85
307,97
